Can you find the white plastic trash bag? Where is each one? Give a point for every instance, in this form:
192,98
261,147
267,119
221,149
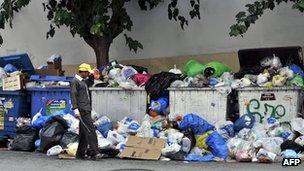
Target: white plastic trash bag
272,144
114,138
265,156
72,122
245,151
175,70
174,136
95,116
300,140
171,149
54,151
145,128
2,73
297,124
232,144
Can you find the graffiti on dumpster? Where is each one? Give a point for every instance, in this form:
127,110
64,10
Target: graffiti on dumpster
254,107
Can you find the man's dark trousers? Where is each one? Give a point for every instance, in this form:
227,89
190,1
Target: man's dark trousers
87,135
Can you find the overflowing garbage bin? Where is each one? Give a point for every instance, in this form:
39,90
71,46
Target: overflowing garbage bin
282,103
50,99
279,90
14,104
116,103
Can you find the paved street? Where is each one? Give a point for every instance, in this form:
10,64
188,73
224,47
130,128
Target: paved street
17,161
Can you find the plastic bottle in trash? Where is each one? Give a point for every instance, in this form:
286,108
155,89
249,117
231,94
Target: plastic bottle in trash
160,105
215,69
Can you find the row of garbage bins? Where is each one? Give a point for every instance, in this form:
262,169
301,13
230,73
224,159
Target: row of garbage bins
282,103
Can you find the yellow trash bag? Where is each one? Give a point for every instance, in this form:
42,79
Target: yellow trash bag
201,140
72,149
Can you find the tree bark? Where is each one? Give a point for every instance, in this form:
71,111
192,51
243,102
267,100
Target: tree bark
101,47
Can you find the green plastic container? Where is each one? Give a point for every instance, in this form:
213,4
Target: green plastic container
215,69
193,68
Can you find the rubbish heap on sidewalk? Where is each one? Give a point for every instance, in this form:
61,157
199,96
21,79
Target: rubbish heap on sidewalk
186,138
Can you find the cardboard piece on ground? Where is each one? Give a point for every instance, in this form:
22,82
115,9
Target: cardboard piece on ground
143,148
66,156
13,83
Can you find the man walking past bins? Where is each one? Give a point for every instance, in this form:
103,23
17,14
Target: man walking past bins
81,104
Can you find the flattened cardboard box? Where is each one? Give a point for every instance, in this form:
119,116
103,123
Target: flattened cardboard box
13,83
143,148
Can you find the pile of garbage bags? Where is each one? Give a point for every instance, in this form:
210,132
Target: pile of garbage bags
188,137
270,73
265,143
118,75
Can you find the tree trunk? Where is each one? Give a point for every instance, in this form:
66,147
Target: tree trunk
102,53
101,47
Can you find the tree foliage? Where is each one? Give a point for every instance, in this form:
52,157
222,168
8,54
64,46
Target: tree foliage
254,11
96,20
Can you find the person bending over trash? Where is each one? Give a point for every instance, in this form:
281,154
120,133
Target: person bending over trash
81,104
206,136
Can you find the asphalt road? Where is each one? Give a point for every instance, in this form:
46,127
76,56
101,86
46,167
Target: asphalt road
19,161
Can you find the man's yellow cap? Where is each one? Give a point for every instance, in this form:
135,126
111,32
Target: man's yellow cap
85,67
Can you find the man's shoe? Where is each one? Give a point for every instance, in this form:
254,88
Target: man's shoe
81,157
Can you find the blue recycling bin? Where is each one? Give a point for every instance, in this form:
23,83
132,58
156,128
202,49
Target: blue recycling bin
14,104
50,100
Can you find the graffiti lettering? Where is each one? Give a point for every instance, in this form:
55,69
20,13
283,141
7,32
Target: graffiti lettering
254,108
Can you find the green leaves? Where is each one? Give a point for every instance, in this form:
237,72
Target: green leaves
174,12
299,5
133,44
245,19
97,29
7,10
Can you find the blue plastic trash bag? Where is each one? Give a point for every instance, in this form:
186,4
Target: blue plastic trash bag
217,145
133,127
297,70
199,158
40,122
213,81
9,68
285,135
228,129
289,154
160,105
104,128
245,121
198,125
37,143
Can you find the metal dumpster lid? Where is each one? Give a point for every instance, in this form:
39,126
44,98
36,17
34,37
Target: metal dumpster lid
20,60
252,57
50,78
272,89
116,89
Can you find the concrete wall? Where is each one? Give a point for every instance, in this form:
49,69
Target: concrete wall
164,42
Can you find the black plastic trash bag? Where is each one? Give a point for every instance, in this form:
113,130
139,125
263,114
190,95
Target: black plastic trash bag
68,138
109,153
25,139
291,145
52,133
179,156
158,83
